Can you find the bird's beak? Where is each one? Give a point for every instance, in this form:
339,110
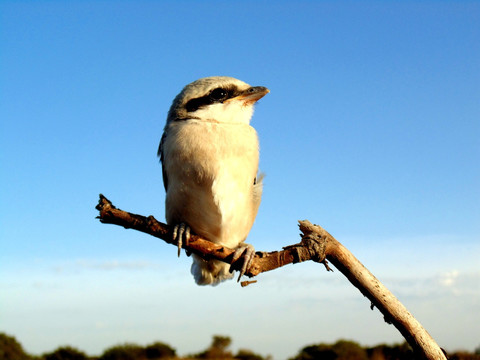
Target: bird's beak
251,95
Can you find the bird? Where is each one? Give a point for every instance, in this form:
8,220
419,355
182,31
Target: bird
210,155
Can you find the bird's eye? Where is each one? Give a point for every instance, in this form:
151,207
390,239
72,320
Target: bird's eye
218,94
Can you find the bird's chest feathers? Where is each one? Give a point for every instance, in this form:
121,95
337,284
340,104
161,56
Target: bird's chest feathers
207,151
216,164
220,158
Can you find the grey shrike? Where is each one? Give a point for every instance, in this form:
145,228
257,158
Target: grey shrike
209,154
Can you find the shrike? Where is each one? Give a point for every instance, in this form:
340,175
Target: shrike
209,154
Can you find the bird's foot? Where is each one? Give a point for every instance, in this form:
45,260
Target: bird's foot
247,251
181,234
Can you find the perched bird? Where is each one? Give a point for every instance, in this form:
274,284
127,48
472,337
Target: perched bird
209,155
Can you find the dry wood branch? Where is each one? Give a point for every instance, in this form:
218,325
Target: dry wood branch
262,262
316,245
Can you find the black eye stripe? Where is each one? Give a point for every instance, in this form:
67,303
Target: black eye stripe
216,95
195,104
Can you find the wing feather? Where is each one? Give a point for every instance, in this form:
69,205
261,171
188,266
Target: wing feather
160,154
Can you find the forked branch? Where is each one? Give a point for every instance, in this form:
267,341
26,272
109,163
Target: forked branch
316,245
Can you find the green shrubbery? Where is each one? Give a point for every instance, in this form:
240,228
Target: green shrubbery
11,349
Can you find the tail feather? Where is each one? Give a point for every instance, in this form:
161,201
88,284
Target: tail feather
210,272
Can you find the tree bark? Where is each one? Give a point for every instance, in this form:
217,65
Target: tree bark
316,245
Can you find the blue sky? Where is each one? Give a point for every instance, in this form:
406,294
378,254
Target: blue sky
371,130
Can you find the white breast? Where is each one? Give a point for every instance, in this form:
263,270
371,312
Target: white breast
211,168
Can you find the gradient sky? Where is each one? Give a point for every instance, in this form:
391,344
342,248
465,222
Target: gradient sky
371,130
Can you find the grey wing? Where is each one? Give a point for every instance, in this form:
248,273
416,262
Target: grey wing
257,192
160,154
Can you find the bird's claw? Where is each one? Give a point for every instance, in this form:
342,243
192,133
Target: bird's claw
247,251
181,234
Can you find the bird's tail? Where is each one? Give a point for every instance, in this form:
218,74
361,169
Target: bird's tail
210,272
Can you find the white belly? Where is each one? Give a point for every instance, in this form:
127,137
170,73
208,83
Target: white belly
211,169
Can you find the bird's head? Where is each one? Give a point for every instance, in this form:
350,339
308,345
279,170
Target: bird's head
218,98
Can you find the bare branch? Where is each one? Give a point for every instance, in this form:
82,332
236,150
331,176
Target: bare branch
262,262
316,245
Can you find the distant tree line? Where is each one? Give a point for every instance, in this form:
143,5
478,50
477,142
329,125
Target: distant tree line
11,349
